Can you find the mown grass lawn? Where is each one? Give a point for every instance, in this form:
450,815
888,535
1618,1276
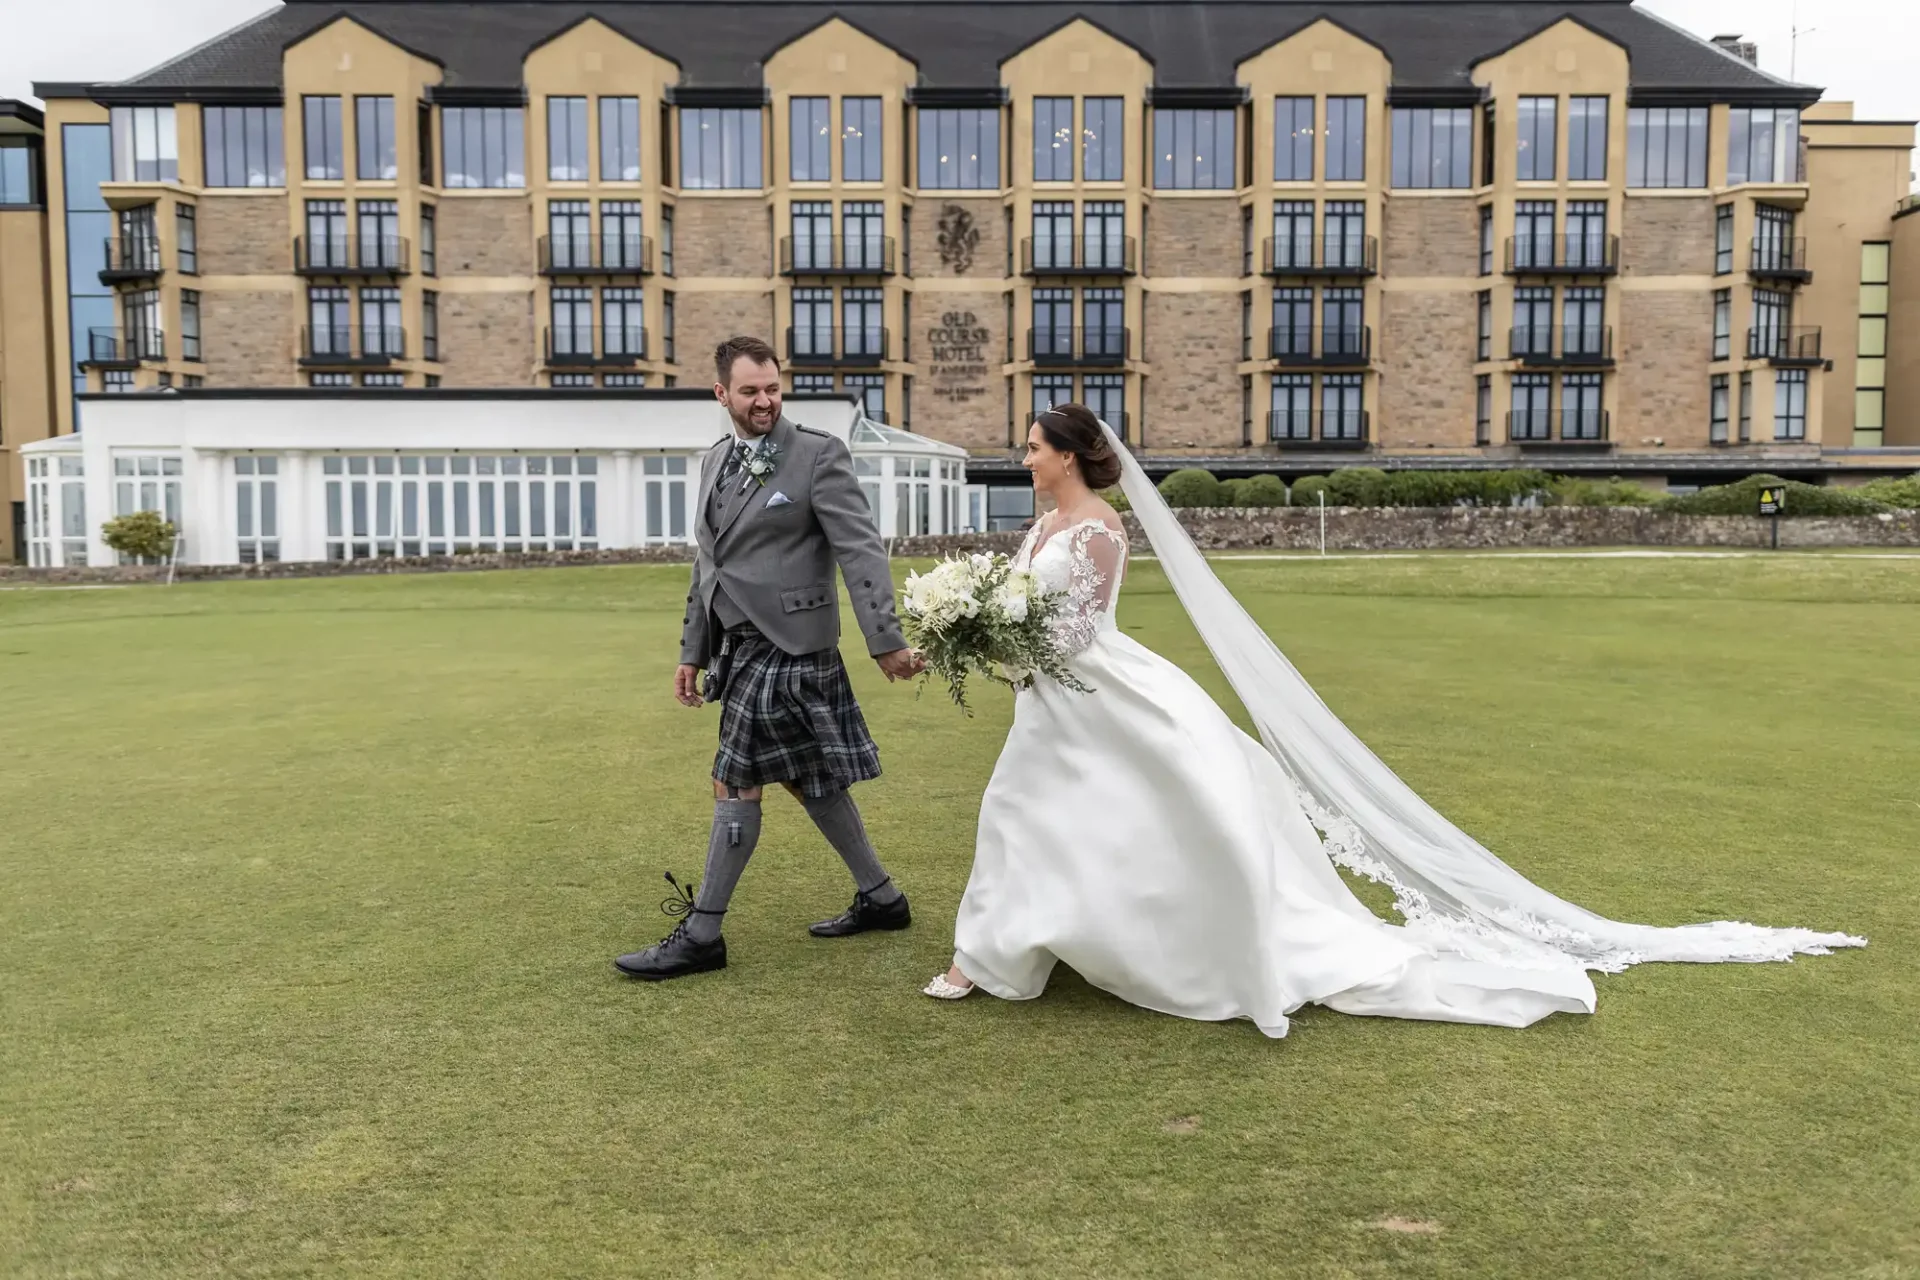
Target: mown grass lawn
310,890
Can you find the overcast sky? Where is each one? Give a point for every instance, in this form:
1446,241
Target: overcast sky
1863,50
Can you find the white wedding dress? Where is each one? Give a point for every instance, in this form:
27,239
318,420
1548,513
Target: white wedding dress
1136,834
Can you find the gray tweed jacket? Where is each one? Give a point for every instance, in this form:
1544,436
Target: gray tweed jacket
776,558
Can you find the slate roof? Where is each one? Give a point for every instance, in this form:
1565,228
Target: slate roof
960,43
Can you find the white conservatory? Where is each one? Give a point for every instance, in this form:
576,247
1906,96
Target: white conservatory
311,474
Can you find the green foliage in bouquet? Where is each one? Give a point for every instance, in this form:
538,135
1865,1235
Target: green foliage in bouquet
977,615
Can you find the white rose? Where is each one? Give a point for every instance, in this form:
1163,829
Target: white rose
1013,603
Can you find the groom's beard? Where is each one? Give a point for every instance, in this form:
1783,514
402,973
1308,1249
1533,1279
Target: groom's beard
743,424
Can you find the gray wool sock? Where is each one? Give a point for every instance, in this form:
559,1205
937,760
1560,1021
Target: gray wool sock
839,821
736,829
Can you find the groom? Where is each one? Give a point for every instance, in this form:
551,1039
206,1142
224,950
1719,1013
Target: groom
778,507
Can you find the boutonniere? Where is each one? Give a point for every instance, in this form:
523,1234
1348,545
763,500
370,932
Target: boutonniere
760,463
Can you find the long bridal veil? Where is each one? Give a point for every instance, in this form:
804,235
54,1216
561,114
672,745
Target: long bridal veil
1457,897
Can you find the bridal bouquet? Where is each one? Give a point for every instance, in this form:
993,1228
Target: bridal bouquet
978,614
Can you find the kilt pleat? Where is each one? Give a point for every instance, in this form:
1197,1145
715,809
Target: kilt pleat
791,718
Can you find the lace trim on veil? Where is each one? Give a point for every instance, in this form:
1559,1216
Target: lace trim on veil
1457,898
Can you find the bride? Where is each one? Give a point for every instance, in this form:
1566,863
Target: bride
1137,835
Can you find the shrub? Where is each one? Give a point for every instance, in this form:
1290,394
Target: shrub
1902,494
1233,493
1306,490
1117,499
1191,487
1263,491
1433,488
1742,498
1357,487
1571,491
143,534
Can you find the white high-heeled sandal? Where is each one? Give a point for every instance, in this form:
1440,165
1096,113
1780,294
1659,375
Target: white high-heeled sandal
941,989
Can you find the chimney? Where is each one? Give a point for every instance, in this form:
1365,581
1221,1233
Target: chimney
1745,50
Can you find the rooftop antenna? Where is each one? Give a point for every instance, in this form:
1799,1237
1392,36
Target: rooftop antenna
1793,42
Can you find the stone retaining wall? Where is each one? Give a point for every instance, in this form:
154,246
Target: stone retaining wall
1263,529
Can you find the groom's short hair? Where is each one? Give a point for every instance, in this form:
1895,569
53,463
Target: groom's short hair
742,347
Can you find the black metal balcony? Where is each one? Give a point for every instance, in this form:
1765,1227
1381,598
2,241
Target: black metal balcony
1320,256
863,347
1343,346
1079,256
1318,428
836,255
130,259
364,346
607,254
1575,255
613,346
1570,428
1787,347
1779,259
113,349
350,256
1079,348
1590,345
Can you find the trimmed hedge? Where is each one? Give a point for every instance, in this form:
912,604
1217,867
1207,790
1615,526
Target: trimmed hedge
1263,491
1742,498
1191,487
1902,494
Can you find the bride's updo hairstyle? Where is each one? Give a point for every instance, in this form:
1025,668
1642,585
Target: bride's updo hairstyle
1072,428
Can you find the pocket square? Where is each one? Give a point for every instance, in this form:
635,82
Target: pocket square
779,500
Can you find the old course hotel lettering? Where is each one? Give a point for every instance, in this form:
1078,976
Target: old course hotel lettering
959,346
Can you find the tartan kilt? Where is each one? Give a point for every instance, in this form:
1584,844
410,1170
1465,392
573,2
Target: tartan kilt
791,718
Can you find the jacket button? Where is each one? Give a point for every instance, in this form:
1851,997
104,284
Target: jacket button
867,583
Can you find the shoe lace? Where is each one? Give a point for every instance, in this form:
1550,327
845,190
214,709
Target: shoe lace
678,904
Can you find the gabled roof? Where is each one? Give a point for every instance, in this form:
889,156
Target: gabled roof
1432,44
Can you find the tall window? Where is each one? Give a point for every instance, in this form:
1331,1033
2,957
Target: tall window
256,491
189,324
1583,310
1666,146
1340,321
1052,234
1587,139
862,318
1345,243
1870,366
380,330
570,233
1290,407
324,146
960,149
1194,149
485,146
1103,316
1719,397
1292,234
423,130
1773,238
1586,233
1293,138
1539,122
1483,409
1432,147
1341,417
1104,235
1581,417
720,148
1746,407
186,236
623,322
1346,140
810,139
621,241
1763,145
567,139
1723,240
1722,323
1483,349
429,242
19,172
863,225
1103,133
1533,234
860,139
429,325
1105,394
327,233
1772,315
375,157
1489,130
1790,404
379,227
1533,320
619,139
573,321
666,241
872,390
145,146
812,322
1053,139
243,146
330,322
1531,417
1486,239
1053,326
812,227
1050,389
1292,323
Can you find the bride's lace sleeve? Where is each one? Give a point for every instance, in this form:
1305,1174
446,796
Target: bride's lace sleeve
1099,562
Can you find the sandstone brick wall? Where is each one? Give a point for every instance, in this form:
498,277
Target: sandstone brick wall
248,338
1193,397
702,321
1667,236
975,235
959,346
1425,350
715,237
243,236
488,339
484,236
1665,339
1431,236
1194,237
